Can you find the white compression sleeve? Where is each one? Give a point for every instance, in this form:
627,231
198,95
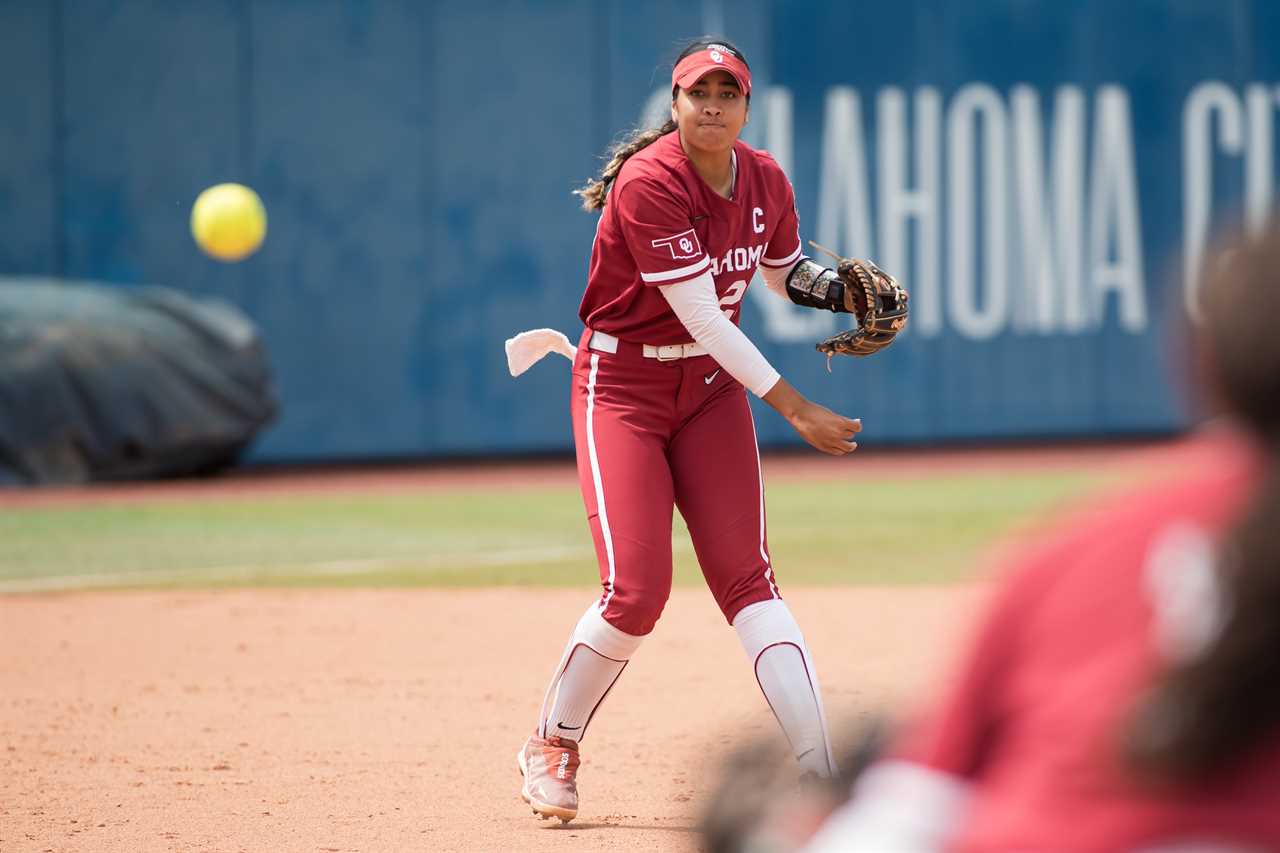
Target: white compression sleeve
593,660
695,303
773,643
776,279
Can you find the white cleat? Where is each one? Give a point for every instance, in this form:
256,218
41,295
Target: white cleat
550,770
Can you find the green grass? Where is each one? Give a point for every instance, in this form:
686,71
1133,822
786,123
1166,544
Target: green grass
917,530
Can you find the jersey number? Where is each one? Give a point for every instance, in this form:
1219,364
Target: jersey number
732,297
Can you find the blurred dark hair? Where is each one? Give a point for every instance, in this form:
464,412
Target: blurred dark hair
596,191
1208,711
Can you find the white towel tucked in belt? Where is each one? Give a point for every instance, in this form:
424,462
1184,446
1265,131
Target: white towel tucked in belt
528,348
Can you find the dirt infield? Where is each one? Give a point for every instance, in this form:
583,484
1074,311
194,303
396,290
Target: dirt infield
363,720
388,720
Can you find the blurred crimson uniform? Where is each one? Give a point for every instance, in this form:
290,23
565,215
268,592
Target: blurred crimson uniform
663,422
1027,739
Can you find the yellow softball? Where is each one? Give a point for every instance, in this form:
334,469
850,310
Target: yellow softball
228,221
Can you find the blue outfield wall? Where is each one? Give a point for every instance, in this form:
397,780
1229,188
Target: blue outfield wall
1042,175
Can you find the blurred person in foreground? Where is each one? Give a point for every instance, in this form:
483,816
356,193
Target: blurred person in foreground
1122,692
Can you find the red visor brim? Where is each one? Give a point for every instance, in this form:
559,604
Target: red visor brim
694,67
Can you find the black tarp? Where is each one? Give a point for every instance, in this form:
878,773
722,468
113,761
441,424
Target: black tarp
110,382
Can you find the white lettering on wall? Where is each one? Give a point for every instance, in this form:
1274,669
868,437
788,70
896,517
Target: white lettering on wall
844,193
1115,235
1259,186
976,145
901,205
1243,127
1032,197
1049,213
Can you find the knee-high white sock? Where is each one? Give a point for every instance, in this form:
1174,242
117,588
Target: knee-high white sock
593,660
776,649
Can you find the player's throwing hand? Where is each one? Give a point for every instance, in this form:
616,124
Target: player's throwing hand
822,428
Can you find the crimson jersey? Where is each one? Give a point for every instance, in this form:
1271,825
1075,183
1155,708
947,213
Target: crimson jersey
1076,636
663,225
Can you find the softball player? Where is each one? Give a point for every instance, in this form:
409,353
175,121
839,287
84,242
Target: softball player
660,412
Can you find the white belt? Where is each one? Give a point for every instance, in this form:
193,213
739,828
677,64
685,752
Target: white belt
604,342
671,352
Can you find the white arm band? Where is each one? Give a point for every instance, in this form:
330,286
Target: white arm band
695,303
775,278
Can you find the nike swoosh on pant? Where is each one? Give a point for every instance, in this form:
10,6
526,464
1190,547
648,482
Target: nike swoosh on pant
712,377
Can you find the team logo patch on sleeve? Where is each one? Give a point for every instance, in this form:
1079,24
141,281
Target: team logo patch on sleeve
684,246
